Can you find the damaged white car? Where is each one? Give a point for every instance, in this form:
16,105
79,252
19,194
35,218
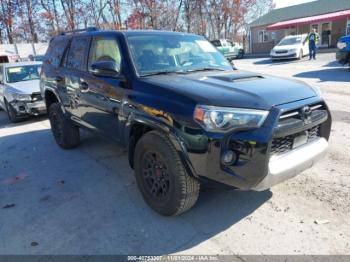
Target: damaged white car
20,90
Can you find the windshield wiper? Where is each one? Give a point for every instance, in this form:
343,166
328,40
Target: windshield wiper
165,72
204,69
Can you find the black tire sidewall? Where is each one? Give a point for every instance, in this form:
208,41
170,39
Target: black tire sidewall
70,133
9,111
169,205
53,113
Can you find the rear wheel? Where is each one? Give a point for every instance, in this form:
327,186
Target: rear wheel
64,131
11,113
161,176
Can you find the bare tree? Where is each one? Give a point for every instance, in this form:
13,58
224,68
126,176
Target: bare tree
70,11
7,10
21,19
26,11
51,14
115,12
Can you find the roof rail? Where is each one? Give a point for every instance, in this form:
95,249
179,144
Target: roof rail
88,29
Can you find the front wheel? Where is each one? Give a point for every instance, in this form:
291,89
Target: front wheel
64,131
161,176
11,113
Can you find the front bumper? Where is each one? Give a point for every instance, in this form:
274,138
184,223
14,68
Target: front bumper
283,56
292,163
260,163
24,108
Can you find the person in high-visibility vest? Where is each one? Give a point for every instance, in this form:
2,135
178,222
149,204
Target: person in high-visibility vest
313,38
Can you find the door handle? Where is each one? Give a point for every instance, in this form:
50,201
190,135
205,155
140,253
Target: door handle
84,87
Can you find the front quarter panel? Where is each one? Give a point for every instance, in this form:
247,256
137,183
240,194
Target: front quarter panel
165,111
8,94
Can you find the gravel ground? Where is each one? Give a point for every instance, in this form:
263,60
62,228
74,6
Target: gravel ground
85,201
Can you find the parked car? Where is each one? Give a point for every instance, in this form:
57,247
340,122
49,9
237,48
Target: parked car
343,53
182,112
291,47
20,90
9,58
231,50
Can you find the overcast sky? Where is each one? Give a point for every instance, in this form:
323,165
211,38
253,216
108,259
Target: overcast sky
284,3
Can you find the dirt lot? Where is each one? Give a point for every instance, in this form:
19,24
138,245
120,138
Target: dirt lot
85,201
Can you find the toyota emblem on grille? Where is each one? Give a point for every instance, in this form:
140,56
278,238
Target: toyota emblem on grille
306,114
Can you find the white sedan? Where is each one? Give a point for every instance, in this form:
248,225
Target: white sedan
291,47
20,90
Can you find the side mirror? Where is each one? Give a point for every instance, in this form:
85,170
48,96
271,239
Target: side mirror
105,68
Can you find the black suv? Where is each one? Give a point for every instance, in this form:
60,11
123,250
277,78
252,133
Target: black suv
182,112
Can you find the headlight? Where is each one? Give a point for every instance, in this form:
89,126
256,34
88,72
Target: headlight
21,97
222,119
293,50
341,45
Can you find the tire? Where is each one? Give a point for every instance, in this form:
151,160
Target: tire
161,176
64,131
11,113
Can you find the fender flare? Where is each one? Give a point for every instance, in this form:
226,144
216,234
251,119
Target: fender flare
55,93
170,132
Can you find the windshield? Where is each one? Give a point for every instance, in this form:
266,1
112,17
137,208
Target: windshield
166,53
290,41
22,73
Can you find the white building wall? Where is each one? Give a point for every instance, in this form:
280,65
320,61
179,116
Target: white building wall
24,50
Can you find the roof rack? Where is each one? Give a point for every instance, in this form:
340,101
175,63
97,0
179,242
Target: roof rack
88,29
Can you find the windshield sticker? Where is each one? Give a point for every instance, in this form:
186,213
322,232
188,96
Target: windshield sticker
15,69
206,46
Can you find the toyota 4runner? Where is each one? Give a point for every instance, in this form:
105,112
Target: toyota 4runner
182,112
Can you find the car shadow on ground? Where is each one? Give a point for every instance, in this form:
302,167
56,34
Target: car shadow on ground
86,201
333,64
325,75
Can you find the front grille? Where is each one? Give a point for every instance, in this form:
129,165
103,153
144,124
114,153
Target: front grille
282,52
296,113
36,97
282,145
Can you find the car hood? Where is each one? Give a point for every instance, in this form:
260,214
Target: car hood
286,47
24,87
345,38
234,88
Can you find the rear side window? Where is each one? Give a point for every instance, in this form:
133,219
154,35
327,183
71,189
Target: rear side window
55,52
77,53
